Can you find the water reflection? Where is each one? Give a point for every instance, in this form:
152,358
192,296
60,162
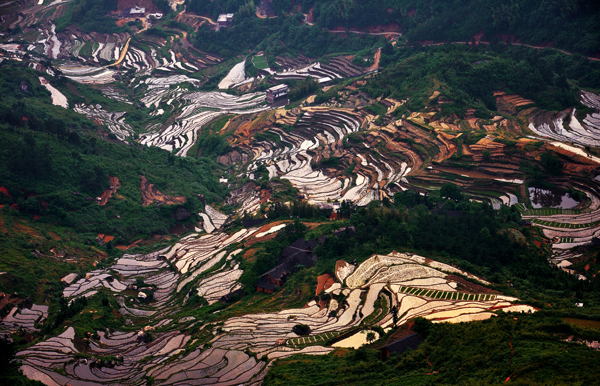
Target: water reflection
544,198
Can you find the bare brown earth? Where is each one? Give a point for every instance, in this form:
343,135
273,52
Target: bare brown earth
264,228
192,20
249,255
22,228
470,287
495,149
2,226
247,127
151,195
108,193
323,281
580,164
510,103
377,58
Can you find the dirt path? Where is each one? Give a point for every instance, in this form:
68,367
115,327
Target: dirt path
377,58
151,195
515,44
123,53
366,33
208,19
110,191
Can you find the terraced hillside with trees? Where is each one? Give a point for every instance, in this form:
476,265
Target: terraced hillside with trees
339,192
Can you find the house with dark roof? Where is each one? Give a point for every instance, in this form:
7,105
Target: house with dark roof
253,222
266,8
300,253
411,341
232,296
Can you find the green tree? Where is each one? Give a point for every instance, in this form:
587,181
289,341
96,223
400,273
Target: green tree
451,191
371,337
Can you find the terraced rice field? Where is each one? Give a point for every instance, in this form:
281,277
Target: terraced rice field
115,122
566,127
260,62
206,264
433,294
291,155
300,67
194,110
235,77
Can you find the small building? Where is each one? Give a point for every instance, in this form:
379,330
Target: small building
156,15
232,296
411,341
137,12
276,92
265,284
266,8
225,20
300,253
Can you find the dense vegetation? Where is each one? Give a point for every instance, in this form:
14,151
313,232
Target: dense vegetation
468,76
571,26
90,15
528,350
49,153
568,25
277,37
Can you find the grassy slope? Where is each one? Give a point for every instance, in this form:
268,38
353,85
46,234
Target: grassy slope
476,353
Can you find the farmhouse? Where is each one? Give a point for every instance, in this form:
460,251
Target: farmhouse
266,8
136,12
225,20
300,253
411,341
276,92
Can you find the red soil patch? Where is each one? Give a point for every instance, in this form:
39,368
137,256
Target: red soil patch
5,191
105,238
265,228
510,103
150,195
2,226
22,228
309,16
259,239
249,255
264,196
322,304
329,283
321,280
108,193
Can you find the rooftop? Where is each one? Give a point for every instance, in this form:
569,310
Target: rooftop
225,16
278,87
